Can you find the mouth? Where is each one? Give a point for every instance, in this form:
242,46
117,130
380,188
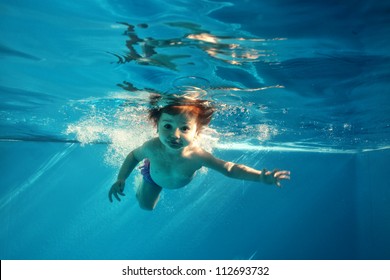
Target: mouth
174,144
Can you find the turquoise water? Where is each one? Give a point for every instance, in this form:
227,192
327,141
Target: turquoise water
299,85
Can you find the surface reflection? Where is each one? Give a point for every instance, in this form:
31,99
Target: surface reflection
154,52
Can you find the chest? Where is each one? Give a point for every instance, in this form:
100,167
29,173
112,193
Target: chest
172,170
172,167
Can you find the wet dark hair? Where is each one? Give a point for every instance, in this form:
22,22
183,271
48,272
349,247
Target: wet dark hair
173,105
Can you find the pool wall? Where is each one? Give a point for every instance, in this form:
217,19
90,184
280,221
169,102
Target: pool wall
54,205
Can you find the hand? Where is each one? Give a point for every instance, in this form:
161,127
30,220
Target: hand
274,177
117,188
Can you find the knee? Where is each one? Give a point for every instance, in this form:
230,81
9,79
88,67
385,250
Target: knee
148,196
146,206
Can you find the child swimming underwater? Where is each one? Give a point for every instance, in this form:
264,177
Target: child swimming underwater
172,159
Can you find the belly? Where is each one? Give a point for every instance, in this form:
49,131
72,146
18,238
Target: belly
169,179
171,182
171,176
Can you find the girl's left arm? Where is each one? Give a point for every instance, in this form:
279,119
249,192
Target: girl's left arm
240,171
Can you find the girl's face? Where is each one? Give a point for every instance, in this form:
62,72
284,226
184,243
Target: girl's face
176,131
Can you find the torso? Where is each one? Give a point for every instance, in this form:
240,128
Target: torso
170,170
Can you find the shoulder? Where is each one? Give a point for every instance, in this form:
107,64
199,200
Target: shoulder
151,144
207,159
147,149
198,153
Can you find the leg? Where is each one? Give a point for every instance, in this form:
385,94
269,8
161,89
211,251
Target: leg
148,195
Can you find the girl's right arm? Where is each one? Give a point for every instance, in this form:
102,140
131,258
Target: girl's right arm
128,165
131,161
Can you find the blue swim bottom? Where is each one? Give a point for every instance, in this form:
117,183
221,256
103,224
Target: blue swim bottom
145,171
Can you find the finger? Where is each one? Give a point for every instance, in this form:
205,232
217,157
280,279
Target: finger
283,177
116,196
122,194
110,193
282,172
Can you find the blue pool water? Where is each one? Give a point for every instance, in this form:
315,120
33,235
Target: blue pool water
299,85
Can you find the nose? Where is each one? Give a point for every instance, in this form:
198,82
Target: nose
176,133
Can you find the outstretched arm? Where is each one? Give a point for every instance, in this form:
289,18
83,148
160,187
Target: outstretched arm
240,171
127,167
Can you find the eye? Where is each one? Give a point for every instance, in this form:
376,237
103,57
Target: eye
167,126
185,128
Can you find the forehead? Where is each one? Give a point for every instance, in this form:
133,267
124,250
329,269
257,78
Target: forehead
179,118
